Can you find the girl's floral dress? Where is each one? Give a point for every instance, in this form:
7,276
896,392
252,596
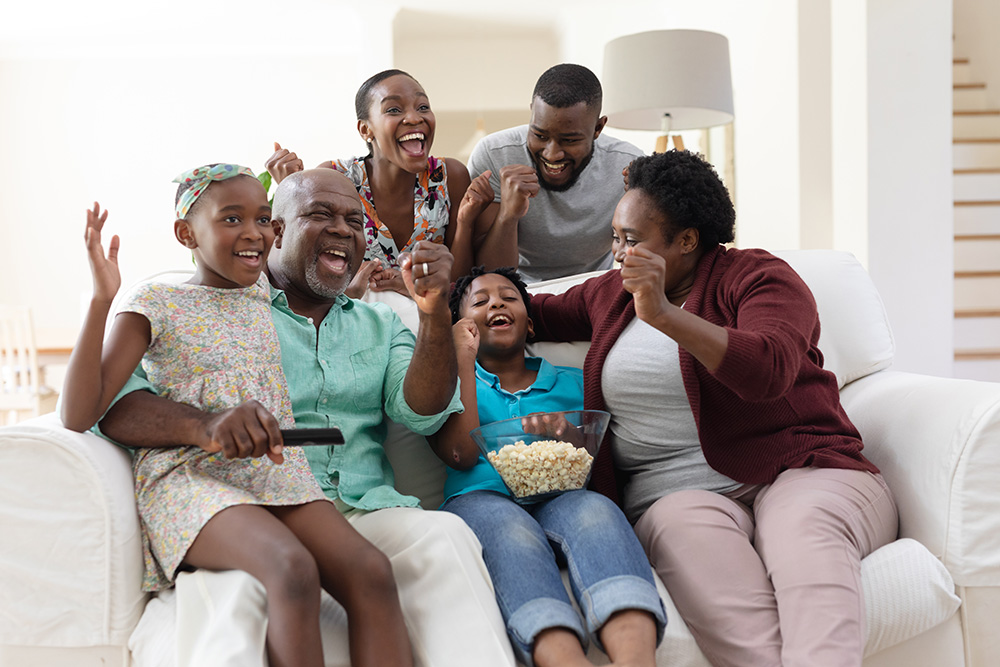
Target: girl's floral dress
211,348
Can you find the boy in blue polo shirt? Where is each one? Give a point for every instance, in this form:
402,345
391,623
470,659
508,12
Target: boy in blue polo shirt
523,545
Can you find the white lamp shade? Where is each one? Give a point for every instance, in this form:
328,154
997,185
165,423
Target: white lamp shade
681,72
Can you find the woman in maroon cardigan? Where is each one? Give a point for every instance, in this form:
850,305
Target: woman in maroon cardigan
728,446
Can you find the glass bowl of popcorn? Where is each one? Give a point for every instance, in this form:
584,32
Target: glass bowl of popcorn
541,455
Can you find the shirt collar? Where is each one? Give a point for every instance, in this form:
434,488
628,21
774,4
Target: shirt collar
545,380
279,300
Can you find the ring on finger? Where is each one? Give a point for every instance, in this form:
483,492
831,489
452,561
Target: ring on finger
425,270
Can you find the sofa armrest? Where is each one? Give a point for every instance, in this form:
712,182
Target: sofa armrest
937,442
71,555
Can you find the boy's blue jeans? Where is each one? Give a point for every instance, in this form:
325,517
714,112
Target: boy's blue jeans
523,547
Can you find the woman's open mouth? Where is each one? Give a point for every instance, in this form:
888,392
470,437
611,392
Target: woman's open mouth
413,143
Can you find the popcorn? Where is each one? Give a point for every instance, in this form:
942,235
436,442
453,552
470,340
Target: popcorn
541,467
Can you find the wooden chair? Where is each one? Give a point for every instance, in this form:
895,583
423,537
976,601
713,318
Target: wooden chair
21,392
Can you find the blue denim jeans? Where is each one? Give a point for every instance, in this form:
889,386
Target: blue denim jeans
523,547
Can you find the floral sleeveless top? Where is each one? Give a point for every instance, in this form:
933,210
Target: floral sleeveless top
430,209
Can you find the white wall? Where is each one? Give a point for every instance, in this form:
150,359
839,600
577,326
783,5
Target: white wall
815,124
891,185
96,107
910,201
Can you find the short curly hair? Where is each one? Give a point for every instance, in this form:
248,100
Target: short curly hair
461,286
567,85
689,193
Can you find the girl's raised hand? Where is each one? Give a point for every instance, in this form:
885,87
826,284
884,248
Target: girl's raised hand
107,279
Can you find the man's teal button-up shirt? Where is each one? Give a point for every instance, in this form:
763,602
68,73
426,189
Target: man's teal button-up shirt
344,374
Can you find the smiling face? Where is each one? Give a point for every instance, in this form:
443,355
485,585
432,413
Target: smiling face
494,303
639,223
229,233
321,242
400,124
561,141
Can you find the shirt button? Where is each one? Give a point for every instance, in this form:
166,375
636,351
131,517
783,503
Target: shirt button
310,320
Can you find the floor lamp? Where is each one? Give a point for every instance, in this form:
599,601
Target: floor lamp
668,80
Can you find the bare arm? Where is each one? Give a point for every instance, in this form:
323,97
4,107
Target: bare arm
142,419
458,234
495,239
97,372
432,375
452,443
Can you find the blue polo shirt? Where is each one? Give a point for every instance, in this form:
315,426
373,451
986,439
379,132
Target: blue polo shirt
555,388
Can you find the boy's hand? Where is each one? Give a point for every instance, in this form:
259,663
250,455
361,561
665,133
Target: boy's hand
552,425
466,335
107,278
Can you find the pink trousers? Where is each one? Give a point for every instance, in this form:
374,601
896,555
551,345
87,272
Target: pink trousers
778,584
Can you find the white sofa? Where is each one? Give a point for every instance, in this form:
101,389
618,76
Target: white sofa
70,562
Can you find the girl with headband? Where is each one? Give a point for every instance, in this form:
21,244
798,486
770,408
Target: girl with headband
210,343
417,195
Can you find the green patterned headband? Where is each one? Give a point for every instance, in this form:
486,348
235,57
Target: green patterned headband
200,178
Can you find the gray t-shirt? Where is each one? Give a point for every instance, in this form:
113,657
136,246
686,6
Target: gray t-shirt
653,432
563,233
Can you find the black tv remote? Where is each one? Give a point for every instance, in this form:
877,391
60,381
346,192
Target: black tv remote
302,437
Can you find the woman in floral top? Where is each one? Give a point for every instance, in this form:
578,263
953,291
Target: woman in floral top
416,195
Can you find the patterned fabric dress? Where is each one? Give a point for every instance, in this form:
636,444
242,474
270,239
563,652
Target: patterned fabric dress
212,348
430,209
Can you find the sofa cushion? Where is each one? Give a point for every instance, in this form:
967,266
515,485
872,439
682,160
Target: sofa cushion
83,485
855,337
907,591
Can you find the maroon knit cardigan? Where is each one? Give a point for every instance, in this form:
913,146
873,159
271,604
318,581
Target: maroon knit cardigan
770,405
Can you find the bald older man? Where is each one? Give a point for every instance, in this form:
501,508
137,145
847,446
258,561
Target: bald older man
348,364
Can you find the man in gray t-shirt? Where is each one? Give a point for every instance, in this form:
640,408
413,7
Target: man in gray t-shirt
547,191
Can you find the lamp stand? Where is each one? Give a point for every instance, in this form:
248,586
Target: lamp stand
661,141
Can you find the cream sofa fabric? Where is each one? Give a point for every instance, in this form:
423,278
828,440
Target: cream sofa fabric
70,557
